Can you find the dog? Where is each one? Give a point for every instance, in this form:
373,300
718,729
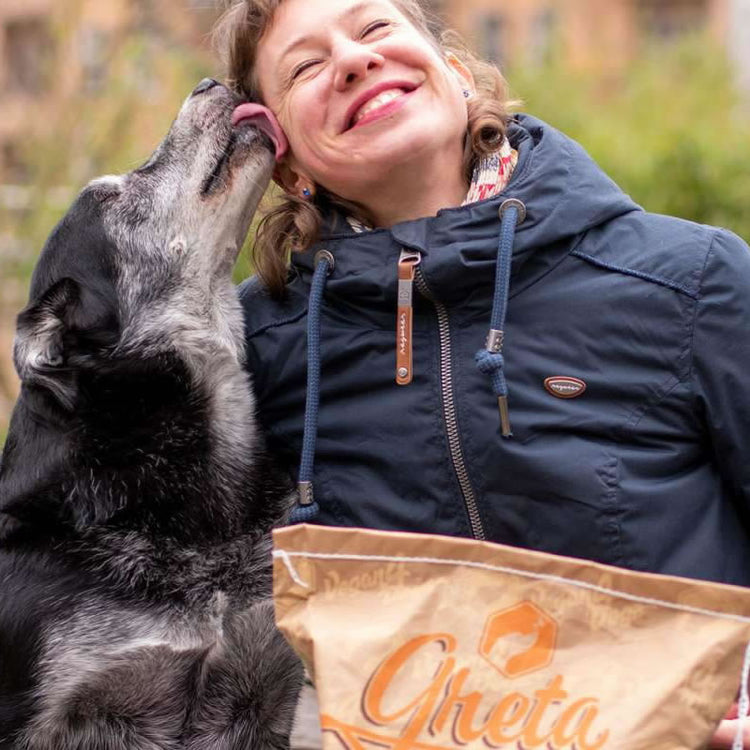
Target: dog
136,495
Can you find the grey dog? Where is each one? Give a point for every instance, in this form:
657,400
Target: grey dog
136,495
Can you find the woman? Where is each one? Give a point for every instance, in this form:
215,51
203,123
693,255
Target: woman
510,348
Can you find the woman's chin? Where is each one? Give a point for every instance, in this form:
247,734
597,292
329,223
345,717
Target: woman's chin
384,149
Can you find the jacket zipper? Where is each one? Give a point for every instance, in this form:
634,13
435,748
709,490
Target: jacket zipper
449,406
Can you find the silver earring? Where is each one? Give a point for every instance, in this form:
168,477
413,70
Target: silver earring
467,93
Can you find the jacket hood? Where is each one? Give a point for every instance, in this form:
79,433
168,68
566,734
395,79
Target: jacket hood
565,194
564,191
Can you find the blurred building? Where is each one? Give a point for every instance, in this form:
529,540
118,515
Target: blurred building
605,34
739,39
39,65
50,48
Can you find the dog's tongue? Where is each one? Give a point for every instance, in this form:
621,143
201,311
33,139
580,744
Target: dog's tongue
263,119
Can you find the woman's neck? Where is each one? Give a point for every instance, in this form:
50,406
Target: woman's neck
414,191
410,206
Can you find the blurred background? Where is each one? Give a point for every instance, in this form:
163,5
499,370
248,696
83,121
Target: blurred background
658,91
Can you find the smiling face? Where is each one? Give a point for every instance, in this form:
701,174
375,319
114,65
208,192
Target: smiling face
361,94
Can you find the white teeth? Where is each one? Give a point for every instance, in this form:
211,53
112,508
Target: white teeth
377,101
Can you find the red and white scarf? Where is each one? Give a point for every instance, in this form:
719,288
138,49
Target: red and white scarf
492,174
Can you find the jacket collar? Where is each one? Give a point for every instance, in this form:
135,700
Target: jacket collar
565,194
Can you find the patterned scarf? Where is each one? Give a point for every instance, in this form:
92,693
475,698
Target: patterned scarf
491,176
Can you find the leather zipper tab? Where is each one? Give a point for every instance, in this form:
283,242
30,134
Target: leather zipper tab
407,265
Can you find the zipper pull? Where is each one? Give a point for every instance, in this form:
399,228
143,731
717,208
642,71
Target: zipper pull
407,267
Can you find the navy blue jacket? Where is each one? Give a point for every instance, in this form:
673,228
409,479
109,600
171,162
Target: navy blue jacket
648,468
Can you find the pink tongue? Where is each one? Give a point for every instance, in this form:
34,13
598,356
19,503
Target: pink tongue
263,119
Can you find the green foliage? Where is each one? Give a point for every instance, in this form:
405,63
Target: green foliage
108,131
672,130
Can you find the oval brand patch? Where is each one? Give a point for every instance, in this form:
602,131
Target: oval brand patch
564,387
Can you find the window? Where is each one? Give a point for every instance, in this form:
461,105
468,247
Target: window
28,56
13,165
542,39
668,19
92,49
490,37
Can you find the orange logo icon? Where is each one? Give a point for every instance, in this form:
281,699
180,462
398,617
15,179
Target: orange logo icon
519,640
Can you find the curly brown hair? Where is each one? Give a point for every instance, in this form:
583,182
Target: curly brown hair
291,224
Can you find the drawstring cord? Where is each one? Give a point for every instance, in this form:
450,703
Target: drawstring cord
308,508
490,359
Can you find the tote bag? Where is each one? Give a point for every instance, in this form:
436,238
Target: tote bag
424,642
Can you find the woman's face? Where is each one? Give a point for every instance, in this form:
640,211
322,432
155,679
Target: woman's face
359,93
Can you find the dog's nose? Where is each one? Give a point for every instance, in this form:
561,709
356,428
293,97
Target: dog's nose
204,85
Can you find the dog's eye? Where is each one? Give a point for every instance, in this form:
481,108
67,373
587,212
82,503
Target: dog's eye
105,189
102,195
148,167
302,68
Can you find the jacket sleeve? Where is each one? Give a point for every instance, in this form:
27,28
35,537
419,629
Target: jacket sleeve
721,359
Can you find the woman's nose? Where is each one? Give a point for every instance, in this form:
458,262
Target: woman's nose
354,61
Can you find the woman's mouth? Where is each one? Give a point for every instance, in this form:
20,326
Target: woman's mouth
383,104
376,102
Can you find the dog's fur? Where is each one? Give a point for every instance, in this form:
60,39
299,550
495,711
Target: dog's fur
135,494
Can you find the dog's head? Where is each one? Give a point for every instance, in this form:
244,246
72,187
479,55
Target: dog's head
132,301
143,260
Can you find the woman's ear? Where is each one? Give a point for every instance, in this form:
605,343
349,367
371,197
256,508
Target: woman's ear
284,176
290,180
462,72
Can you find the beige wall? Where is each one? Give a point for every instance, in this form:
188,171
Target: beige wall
601,33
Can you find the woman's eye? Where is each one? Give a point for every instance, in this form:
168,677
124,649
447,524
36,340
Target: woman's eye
374,26
302,68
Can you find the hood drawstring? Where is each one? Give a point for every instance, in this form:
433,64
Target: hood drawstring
308,508
490,359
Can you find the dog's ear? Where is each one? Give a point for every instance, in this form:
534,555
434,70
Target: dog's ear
66,326
38,350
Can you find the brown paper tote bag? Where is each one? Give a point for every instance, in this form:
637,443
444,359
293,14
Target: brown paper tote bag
425,643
